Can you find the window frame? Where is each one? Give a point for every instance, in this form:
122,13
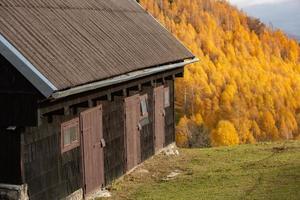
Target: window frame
67,125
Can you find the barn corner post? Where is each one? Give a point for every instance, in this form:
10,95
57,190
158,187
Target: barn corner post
18,105
12,184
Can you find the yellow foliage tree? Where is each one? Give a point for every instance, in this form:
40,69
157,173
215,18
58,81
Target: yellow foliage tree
269,126
248,74
224,135
182,132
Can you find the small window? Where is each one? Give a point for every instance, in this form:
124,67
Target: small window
144,106
167,96
144,119
70,135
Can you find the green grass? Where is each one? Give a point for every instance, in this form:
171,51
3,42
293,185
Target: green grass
261,171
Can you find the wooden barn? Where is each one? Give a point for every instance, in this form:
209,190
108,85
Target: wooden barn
86,94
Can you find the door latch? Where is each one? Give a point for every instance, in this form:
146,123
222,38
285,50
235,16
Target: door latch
163,113
103,144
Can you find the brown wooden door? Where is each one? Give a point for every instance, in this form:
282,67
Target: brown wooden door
133,149
159,119
92,149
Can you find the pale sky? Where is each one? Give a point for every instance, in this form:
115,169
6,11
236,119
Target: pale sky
283,14
246,3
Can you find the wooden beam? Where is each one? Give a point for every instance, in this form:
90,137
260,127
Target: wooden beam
102,98
148,84
50,106
67,111
84,104
160,80
173,76
133,90
179,75
91,103
167,78
140,87
74,111
39,117
22,150
117,94
125,92
109,97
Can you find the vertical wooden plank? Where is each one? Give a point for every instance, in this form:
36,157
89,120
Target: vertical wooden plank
159,120
133,150
22,157
114,135
147,132
92,133
170,116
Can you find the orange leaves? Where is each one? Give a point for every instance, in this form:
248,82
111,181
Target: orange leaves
268,125
224,135
248,75
288,125
229,93
182,132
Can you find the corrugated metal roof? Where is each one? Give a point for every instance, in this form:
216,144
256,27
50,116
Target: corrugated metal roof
74,42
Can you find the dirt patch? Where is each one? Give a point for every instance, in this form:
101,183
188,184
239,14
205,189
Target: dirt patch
279,149
172,175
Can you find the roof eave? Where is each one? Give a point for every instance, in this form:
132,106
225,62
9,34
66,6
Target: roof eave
39,81
45,87
120,79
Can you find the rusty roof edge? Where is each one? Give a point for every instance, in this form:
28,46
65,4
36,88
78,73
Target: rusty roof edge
120,79
38,80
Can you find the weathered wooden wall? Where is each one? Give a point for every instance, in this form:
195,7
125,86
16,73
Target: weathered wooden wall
52,175
113,130
147,134
48,173
10,160
170,116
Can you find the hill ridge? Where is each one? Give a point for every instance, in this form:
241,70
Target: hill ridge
248,77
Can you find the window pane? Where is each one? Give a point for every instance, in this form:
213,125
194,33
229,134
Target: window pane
167,97
67,137
144,107
73,134
70,135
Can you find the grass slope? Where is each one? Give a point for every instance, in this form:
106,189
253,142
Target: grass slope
261,171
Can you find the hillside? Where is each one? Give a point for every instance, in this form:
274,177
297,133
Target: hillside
296,37
260,171
283,14
245,89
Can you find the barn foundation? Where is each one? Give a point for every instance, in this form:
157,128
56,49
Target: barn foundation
77,195
13,192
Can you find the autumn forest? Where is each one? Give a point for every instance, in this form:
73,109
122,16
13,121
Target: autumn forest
246,87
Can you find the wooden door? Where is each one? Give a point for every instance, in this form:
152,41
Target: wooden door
159,119
133,143
92,149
